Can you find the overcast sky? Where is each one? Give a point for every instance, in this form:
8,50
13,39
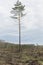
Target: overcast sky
31,24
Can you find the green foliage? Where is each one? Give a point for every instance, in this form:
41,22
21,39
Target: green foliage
17,10
18,7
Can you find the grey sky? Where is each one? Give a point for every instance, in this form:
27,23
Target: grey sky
31,24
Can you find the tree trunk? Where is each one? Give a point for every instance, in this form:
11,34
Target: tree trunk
20,37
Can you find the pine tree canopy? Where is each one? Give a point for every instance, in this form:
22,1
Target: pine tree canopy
18,10
18,6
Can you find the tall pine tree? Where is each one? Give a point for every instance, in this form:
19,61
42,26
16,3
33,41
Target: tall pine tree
17,12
